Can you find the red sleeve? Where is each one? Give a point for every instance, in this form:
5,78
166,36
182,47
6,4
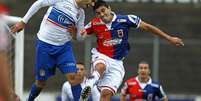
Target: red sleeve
89,28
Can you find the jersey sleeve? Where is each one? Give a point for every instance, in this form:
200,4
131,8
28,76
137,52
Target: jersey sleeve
80,24
133,21
124,89
36,6
161,94
64,93
89,28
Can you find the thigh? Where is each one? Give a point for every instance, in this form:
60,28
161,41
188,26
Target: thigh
44,63
66,60
112,77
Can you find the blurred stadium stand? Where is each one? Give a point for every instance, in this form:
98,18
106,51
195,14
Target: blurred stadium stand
179,68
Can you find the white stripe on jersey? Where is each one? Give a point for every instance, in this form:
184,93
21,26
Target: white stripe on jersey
135,20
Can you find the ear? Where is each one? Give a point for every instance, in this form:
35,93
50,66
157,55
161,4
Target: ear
109,7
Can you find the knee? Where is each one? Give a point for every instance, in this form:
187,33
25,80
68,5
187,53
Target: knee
100,67
40,83
106,93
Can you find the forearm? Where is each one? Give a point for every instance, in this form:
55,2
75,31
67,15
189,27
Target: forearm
158,32
34,8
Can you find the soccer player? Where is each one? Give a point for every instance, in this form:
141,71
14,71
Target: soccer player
67,93
142,87
111,31
6,89
53,46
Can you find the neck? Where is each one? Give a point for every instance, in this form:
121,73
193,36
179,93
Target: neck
144,80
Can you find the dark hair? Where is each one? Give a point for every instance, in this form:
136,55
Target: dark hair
80,63
99,3
143,62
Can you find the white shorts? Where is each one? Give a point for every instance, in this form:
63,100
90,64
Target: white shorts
114,73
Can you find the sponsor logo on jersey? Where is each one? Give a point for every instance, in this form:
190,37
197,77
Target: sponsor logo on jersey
121,20
70,64
63,19
132,83
112,42
142,90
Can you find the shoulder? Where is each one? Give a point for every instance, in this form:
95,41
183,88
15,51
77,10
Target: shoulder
96,21
131,81
66,85
155,84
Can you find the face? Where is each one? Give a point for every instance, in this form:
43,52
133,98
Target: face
80,70
86,3
143,70
104,13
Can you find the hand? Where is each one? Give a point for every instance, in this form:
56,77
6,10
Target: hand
73,31
18,27
176,41
83,32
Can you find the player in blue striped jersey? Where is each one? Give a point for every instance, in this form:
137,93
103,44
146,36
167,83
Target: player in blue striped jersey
53,46
67,93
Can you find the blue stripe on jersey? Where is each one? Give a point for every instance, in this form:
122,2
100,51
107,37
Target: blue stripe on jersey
60,17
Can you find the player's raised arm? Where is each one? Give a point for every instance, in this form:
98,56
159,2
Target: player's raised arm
32,10
151,28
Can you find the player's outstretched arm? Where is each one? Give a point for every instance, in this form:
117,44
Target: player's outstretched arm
32,10
173,40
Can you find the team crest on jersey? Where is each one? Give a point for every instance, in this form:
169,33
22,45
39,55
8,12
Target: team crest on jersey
42,72
121,20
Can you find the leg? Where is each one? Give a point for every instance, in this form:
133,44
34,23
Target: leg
36,89
6,90
44,68
99,70
67,65
106,95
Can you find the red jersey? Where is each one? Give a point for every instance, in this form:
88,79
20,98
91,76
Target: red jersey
112,38
149,92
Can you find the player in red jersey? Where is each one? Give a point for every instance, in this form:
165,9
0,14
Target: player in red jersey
142,87
111,31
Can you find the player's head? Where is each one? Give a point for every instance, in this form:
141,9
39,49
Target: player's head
103,11
81,71
85,3
143,69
